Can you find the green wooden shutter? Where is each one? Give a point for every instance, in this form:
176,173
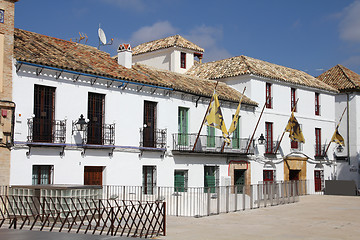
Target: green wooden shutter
183,126
179,181
236,136
210,137
209,178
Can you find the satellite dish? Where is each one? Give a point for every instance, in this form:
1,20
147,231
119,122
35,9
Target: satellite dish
102,36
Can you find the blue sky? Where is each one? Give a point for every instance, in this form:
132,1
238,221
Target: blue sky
309,35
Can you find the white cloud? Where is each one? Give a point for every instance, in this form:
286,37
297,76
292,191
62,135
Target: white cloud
349,26
209,38
156,31
137,5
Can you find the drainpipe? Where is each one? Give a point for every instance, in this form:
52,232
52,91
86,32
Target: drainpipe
348,127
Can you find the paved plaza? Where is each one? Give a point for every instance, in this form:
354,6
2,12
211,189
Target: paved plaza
315,217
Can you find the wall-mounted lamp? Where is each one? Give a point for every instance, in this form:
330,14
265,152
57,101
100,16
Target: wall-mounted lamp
80,125
261,139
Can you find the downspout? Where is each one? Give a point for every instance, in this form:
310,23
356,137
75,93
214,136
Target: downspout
348,127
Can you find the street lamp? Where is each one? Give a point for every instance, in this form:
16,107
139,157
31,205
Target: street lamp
261,139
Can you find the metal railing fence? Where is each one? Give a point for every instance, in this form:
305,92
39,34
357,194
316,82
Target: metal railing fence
82,215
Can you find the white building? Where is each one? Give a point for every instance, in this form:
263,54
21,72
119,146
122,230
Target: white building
348,83
143,118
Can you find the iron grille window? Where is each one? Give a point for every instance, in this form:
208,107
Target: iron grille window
293,99
42,174
318,148
149,179
183,60
44,109
96,113
317,104
180,180
268,95
269,137
149,130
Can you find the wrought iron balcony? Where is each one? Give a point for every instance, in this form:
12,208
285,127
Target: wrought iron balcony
46,131
320,150
153,138
271,147
97,134
184,142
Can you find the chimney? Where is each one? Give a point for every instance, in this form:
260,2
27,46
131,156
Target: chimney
125,55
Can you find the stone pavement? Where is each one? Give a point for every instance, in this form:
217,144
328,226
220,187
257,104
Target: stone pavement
317,217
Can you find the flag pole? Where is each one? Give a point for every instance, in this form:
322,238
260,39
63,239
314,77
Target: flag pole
292,111
223,146
207,110
327,148
257,124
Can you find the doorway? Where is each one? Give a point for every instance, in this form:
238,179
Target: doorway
294,175
239,179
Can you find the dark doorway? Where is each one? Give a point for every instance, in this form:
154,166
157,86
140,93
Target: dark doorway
294,175
149,124
239,179
44,109
93,175
96,106
318,180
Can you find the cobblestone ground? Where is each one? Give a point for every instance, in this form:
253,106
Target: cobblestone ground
317,217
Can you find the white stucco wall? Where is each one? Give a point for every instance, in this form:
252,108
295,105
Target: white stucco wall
125,109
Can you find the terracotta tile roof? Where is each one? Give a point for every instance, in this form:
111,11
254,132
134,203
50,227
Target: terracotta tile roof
167,42
190,84
40,49
243,65
341,78
44,50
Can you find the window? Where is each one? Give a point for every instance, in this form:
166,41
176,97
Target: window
236,136
96,114
294,144
42,174
211,178
210,139
268,96
268,175
93,175
183,60
317,104
293,99
149,179
149,136
183,114
44,111
2,14
180,180
318,150
269,137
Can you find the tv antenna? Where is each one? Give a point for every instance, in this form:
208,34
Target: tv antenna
102,38
82,37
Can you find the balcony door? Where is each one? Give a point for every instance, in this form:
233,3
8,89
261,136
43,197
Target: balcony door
149,136
44,110
96,113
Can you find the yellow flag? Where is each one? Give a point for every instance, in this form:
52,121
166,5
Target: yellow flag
235,119
214,117
293,127
337,138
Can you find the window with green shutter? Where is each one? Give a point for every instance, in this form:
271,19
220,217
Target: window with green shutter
180,180
210,137
183,119
210,178
236,136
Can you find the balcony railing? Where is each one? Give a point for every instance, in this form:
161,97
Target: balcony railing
320,150
185,142
153,138
100,134
270,148
46,131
